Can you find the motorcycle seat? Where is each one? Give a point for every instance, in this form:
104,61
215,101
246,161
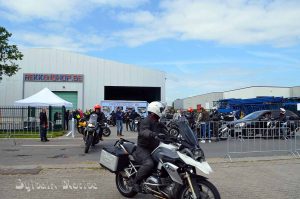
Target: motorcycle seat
130,148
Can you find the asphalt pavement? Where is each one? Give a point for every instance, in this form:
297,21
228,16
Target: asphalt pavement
272,179
57,169
68,150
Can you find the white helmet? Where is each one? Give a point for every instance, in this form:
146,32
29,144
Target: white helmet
156,107
282,110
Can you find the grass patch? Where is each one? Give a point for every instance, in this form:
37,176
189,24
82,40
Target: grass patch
25,134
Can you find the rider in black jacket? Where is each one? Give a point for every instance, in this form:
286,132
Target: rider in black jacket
147,142
101,118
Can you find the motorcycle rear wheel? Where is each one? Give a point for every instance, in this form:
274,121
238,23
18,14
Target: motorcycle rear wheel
207,190
123,186
106,132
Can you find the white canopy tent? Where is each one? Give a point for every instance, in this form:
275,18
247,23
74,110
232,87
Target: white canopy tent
43,98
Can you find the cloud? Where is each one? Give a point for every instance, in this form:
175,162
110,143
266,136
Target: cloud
78,43
277,56
24,10
139,17
122,4
225,22
59,10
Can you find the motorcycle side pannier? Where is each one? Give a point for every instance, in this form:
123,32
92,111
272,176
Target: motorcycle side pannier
114,159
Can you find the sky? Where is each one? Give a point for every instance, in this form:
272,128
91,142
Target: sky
202,45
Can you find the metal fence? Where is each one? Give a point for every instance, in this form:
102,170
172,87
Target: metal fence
22,121
297,141
253,137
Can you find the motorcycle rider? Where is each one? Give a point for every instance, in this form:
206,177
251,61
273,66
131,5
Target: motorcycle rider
101,119
133,116
147,142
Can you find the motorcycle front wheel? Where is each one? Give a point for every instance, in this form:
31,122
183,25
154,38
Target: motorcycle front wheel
88,143
206,188
123,186
106,132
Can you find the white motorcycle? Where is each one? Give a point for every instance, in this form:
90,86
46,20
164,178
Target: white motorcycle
178,174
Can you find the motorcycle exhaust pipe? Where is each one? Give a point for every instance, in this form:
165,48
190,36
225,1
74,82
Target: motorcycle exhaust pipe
159,196
156,193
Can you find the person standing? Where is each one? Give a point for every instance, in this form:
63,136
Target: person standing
43,125
203,119
127,120
119,120
66,118
283,123
179,116
113,118
133,115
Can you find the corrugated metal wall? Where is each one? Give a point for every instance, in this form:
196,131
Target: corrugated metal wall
243,93
97,74
255,91
205,100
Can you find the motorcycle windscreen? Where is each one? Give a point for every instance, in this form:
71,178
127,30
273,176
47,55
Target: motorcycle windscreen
93,119
187,134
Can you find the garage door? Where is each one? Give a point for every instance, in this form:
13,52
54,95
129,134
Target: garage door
57,112
148,94
70,96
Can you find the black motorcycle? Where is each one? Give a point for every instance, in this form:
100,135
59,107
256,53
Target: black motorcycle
178,174
91,133
111,121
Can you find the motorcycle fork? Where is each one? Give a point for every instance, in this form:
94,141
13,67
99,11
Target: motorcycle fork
193,185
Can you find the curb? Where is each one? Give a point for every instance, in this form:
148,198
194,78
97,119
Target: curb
96,165
67,138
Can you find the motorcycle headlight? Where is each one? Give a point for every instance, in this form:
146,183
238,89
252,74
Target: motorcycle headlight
198,154
240,125
90,125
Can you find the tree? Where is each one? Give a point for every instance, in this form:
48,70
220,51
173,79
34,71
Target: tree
9,54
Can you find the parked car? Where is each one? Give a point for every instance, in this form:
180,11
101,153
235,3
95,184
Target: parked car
263,124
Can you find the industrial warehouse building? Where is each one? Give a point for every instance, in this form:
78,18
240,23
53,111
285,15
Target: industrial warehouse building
207,100
80,79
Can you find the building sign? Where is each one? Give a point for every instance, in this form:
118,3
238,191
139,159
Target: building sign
124,103
40,77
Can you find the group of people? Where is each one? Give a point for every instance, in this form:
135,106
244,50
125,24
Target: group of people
118,117
128,117
197,123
